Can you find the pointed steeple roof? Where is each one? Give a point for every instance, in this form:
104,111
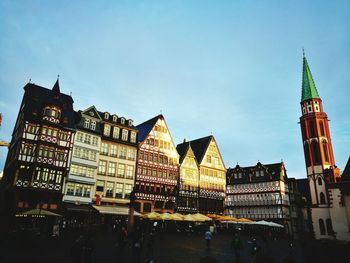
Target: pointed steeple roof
56,88
309,90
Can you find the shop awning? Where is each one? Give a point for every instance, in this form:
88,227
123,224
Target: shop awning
114,210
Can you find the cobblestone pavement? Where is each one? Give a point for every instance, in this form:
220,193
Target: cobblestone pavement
172,248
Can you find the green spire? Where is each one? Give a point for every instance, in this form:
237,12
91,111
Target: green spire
309,90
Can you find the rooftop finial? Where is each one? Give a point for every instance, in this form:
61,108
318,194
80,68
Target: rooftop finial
58,76
303,53
30,80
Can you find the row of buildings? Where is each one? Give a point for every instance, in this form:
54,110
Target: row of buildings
74,161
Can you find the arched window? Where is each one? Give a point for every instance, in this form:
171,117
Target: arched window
312,129
307,154
322,228
329,226
321,128
325,151
315,152
319,180
322,199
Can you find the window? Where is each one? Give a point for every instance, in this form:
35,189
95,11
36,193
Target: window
109,189
111,168
78,190
94,140
129,172
307,154
59,177
114,150
122,120
124,135
130,122
86,190
122,153
119,190
104,148
102,165
115,118
131,154
208,158
116,132
92,156
80,136
322,227
100,186
316,152
107,130
32,128
128,188
133,136
87,123
93,125
87,139
325,151
329,226
321,128
322,199
312,129
106,116
319,180
121,170
70,189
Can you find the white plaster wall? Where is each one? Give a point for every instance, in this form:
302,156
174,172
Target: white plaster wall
316,214
339,217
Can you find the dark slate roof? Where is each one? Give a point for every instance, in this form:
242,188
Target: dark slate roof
346,173
146,127
110,119
182,150
36,98
272,172
199,147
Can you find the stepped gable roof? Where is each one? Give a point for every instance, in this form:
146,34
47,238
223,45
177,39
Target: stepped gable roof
272,172
36,98
309,90
182,150
146,127
199,147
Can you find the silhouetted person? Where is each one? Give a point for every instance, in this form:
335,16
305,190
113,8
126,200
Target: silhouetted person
122,238
208,236
237,246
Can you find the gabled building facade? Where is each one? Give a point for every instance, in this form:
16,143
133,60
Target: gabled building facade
40,152
80,183
157,168
212,174
188,191
117,160
259,192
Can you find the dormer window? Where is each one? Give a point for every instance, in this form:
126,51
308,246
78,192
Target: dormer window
106,116
93,125
115,118
87,123
130,122
52,114
122,120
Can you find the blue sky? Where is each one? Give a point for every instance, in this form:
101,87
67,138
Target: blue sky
230,68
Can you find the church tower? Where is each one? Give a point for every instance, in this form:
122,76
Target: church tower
322,173
318,151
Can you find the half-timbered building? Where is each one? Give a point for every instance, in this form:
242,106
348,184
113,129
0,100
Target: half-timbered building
188,192
80,183
39,154
117,162
157,167
258,192
212,175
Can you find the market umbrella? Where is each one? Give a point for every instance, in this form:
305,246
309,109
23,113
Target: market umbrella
190,218
201,217
165,216
244,220
41,212
213,216
177,217
267,223
226,218
152,216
